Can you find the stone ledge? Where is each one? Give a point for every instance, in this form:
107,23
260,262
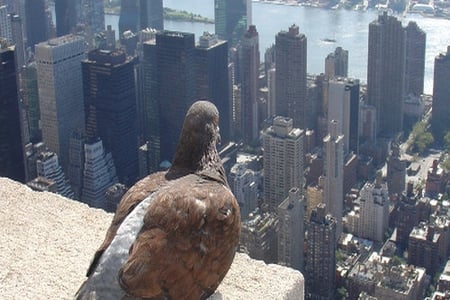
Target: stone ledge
47,242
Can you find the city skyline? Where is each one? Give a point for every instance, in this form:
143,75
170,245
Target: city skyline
94,113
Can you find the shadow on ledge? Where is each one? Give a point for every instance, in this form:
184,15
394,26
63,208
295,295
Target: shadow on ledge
47,242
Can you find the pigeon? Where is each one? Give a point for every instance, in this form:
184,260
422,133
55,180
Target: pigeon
175,233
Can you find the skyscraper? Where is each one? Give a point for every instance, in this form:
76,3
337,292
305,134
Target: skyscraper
5,24
243,184
36,22
291,233
48,167
110,107
374,210
93,15
11,149
415,59
232,17
336,63
175,64
385,73
58,63
320,255
136,15
211,60
283,160
129,17
333,171
67,15
99,173
342,104
151,14
31,100
440,121
249,75
150,105
290,76
17,36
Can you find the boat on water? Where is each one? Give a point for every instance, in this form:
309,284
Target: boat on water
328,40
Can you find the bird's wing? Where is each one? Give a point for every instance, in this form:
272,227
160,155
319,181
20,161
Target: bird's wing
187,243
132,197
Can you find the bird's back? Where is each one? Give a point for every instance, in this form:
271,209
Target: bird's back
185,244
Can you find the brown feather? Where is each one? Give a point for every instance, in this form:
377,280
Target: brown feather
192,225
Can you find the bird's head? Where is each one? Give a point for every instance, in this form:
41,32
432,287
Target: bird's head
196,149
201,125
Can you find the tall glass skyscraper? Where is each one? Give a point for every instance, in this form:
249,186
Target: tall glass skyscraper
249,75
232,17
36,22
211,57
11,150
385,73
175,65
110,106
440,121
58,63
290,76
136,15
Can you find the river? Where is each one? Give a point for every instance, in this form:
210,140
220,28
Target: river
349,28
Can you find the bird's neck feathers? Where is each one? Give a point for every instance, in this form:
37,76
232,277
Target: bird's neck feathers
200,157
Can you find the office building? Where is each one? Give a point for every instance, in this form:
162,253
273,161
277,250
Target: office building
385,73
283,161
374,210
136,15
48,167
440,122
211,61
36,22
144,36
341,99
320,256
98,175
11,146
31,100
151,14
110,107
415,59
333,171
175,65
232,17
93,16
113,196
336,63
18,40
249,76
76,162
291,233
67,13
5,24
396,171
129,16
58,64
244,185
150,107
290,76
